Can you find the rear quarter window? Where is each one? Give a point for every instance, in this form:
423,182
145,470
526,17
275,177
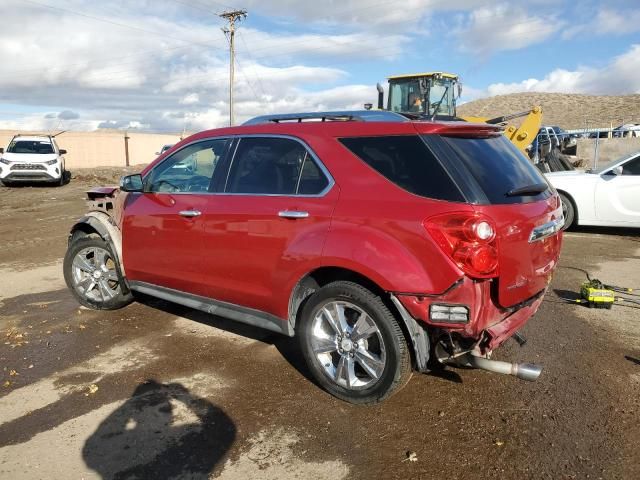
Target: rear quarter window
406,161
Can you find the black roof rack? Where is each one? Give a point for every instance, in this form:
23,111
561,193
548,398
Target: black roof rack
338,116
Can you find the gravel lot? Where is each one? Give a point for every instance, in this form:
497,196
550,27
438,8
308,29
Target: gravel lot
160,391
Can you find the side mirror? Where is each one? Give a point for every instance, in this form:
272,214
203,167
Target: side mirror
131,183
62,151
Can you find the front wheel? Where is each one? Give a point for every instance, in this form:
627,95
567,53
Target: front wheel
92,275
353,345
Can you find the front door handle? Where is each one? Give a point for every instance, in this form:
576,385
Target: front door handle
295,214
190,213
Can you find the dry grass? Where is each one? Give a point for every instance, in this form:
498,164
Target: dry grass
570,111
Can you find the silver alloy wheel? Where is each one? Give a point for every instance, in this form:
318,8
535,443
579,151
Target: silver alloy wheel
348,345
94,274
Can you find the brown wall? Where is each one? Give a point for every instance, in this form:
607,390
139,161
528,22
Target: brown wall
104,148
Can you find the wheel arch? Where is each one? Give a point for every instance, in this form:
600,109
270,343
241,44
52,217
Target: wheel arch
576,214
415,334
99,223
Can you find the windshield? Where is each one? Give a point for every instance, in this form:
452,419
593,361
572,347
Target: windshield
30,146
406,96
441,98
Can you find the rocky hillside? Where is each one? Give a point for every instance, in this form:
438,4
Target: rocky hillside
570,111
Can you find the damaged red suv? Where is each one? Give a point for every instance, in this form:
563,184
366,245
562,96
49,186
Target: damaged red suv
383,244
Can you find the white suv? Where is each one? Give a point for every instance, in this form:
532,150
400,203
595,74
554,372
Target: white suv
32,159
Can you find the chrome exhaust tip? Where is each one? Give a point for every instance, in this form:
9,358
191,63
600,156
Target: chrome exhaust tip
527,371
524,371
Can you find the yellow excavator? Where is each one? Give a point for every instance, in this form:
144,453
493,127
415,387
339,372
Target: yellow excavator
434,94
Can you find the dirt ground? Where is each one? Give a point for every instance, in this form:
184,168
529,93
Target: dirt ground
160,391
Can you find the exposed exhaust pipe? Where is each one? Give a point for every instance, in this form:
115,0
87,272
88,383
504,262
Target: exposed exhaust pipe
524,371
380,96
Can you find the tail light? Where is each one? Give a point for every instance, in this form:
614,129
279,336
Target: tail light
469,239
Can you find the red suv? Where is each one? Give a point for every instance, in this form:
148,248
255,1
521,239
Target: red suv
380,242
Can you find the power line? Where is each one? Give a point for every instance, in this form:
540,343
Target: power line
253,65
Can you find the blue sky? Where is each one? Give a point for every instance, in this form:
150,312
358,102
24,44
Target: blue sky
162,65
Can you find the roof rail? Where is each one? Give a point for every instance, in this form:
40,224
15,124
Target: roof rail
337,116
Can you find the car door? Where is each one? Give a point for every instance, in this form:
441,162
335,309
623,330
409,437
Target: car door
617,197
163,235
270,222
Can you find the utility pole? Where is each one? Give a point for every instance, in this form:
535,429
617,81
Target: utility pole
232,17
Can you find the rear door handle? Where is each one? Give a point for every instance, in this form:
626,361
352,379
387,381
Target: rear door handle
190,213
293,214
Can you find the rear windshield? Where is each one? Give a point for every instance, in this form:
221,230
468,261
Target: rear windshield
406,161
30,146
498,168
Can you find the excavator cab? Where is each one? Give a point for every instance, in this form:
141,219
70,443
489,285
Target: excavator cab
433,95
424,94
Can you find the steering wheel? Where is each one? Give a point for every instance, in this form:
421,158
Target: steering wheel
158,186
198,183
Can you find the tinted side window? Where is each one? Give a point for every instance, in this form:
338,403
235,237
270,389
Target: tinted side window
632,167
312,180
497,166
407,162
190,169
277,166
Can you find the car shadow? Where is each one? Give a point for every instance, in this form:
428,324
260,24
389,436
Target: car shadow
567,295
163,431
288,347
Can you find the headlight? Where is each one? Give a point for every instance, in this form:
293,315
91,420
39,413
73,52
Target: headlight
52,162
2,160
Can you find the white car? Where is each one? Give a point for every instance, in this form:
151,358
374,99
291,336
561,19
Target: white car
32,159
608,196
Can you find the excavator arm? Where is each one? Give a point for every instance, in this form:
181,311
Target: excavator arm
521,136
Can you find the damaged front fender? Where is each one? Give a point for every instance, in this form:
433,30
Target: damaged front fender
103,218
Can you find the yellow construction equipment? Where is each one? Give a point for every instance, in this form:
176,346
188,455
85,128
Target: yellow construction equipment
434,94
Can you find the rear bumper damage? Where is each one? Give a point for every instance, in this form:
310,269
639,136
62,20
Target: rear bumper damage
487,325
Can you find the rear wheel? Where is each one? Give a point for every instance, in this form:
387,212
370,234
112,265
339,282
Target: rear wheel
92,275
353,344
568,210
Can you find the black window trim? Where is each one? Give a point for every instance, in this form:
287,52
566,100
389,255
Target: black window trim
310,153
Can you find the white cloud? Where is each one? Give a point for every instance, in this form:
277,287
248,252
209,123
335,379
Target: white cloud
503,27
608,22
264,45
190,99
395,15
619,77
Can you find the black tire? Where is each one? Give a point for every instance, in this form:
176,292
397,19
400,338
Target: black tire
569,211
397,368
96,301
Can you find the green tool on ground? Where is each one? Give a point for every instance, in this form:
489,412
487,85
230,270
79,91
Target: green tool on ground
596,294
